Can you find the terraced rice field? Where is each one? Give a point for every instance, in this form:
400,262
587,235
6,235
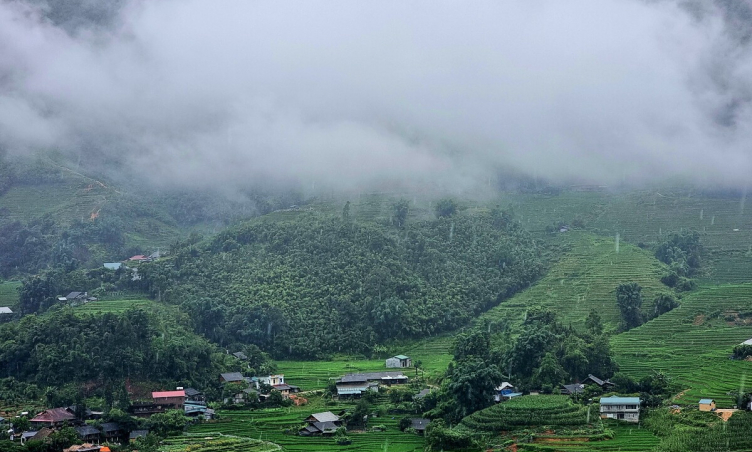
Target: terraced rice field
76,198
527,411
215,442
9,293
271,425
648,215
584,278
692,344
627,438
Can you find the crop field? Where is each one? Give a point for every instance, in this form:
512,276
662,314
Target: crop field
526,411
692,344
434,353
9,293
71,199
585,277
215,442
627,438
280,426
114,306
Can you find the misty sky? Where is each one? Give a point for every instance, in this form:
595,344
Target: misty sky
356,93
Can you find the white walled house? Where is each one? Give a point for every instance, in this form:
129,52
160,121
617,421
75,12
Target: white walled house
621,408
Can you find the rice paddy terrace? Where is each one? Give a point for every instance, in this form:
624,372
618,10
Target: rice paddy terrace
280,426
215,442
693,343
531,411
585,276
646,216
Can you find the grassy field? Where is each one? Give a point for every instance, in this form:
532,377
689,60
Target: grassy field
692,344
280,426
9,293
585,277
435,355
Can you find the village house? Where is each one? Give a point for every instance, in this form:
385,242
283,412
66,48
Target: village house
354,385
86,447
399,361
112,432
194,395
139,258
621,408
5,310
88,434
324,424
241,356
419,424
271,380
232,377
54,417
112,265
135,434
505,391
169,400
707,405
573,389
603,384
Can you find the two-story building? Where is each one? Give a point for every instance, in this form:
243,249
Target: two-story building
621,408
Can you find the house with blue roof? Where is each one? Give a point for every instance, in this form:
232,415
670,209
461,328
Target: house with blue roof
621,408
707,405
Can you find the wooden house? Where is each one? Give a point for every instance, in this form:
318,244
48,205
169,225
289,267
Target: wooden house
169,400
54,417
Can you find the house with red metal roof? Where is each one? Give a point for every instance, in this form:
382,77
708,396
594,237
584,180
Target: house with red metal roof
169,399
54,417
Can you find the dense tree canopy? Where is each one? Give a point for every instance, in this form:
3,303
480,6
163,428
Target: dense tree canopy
310,284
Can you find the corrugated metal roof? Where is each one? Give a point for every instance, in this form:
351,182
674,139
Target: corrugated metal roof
402,357
706,401
163,394
614,400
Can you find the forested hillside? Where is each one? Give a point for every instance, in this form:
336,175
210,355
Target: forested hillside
313,284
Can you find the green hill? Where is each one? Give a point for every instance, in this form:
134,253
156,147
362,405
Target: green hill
312,284
646,216
585,275
693,343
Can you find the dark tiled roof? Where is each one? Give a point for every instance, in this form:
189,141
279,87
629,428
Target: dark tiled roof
575,388
422,393
232,376
138,434
419,423
190,392
111,427
240,355
86,430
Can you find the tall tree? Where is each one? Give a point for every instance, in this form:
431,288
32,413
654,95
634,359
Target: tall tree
629,299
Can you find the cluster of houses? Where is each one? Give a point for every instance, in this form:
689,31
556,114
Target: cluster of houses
50,420
249,388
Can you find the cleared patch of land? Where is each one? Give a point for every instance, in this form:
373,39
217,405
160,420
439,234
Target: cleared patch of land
9,293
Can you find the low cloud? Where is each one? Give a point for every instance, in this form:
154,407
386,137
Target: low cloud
357,95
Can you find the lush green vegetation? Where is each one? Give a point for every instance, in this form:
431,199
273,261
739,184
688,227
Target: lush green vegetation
64,347
207,442
586,272
9,293
281,425
543,410
692,344
312,285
